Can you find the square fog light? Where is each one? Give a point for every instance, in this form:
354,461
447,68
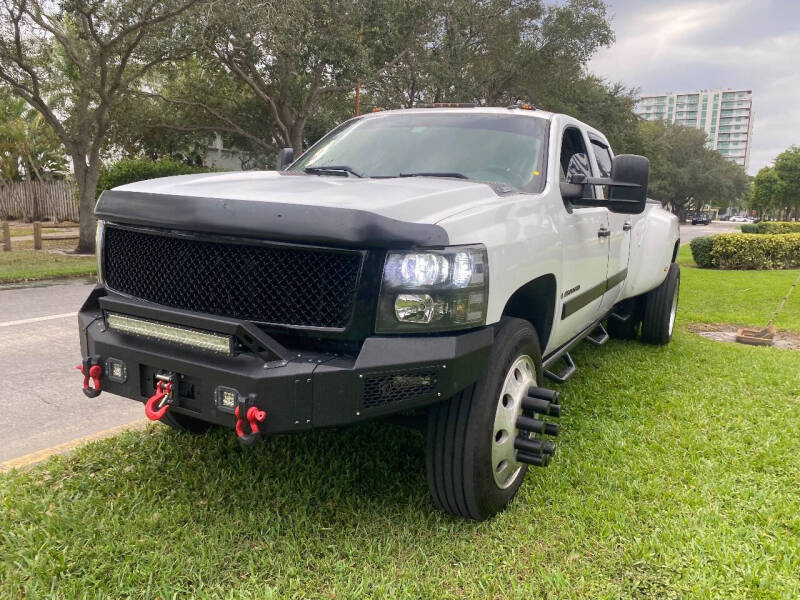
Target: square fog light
116,370
226,398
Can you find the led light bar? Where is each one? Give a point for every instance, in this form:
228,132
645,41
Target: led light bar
193,338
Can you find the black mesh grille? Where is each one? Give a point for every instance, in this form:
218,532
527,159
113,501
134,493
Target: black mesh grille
282,285
388,389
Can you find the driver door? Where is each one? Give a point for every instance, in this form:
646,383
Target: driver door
619,237
585,244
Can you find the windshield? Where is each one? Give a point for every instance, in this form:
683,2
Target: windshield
479,146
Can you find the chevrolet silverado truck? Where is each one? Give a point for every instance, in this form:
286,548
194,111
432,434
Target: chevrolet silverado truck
434,262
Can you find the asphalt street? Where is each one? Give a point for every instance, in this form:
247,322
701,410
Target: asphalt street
42,404
689,231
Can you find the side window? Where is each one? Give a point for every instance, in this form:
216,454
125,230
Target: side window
574,157
603,156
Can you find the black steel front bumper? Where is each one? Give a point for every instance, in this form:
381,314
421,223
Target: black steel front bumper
302,390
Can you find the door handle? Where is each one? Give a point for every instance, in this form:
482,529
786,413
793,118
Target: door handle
604,232
626,226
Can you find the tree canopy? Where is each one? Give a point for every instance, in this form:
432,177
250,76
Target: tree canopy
685,173
73,61
29,148
159,78
776,189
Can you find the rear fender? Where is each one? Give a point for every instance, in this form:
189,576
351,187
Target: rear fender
653,241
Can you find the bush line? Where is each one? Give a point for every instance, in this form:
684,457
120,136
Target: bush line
130,170
746,251
773,227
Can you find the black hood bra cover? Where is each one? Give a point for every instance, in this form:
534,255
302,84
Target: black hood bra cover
276,221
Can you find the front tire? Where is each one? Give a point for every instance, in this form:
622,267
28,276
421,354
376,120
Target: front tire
462,444
661,308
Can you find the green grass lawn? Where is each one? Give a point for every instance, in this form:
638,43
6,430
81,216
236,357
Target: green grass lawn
737,297
677,476
27,265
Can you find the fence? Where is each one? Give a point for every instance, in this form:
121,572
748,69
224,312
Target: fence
36,200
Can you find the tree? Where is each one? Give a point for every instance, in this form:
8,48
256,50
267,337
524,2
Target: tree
609,108
293,55
302,57
184,106
73,61
29,149
766,192
491,52
684,173
787,169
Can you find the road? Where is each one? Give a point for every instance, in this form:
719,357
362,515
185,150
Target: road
689,231
42,404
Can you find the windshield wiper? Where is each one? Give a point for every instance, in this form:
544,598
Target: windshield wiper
435,174
339,170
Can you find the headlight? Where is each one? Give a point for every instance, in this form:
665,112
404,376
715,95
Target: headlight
99,236
433,290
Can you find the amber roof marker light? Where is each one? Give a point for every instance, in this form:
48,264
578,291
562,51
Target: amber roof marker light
521,105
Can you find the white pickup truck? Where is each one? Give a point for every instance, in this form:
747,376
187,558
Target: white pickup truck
435,263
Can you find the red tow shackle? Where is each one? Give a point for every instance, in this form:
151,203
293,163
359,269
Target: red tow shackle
161,398
254,416
93,372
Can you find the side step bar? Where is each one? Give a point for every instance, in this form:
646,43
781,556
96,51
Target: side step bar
599,335
595,334
567,372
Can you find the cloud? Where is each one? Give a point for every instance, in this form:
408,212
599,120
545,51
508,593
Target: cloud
681,45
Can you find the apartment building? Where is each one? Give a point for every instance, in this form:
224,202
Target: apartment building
725,115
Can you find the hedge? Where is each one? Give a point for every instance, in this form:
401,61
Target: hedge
779,227
767,251
129,170
701,251
750,228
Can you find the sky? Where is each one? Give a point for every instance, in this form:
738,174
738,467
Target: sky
680,45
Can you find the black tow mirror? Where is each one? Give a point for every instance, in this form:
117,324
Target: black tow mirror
284,159
627,186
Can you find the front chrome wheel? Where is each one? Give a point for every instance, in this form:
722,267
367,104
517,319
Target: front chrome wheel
520,376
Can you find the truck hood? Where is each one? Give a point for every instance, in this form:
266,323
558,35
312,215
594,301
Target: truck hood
310,208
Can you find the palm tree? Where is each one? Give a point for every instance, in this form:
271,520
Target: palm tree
29,149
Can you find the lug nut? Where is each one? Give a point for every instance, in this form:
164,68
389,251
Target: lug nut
542,407
536,426
534,446
537,460
543,394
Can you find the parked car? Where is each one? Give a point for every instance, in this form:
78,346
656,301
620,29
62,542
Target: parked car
700,219
436,262
738,219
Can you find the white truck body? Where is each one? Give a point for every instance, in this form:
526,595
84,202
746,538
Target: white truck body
527,235
426,265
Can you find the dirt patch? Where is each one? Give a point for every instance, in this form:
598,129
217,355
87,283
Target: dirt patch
722,332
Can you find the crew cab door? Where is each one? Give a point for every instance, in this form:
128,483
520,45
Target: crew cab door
585,245
619,225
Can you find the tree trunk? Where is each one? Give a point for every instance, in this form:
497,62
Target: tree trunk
296,133
86,176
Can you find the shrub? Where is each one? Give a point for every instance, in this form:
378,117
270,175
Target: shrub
750,228
778,227
741,251
701,251
129,170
